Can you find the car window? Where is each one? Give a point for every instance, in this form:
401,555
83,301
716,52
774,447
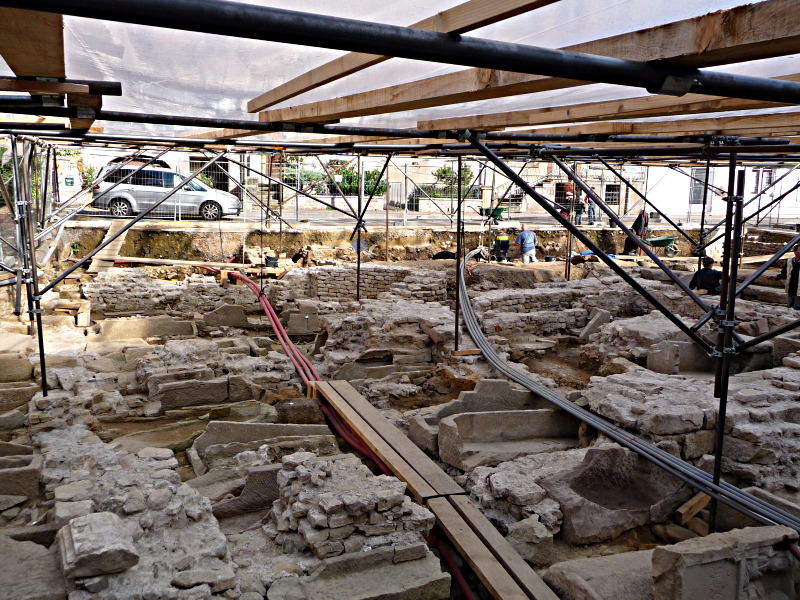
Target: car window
170,180
153,178
115,176
193,185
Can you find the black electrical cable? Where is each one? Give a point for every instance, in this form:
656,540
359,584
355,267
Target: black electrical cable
730,495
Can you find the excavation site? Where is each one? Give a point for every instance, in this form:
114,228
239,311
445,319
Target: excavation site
427,301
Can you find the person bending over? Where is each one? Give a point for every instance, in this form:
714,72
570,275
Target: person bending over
707,279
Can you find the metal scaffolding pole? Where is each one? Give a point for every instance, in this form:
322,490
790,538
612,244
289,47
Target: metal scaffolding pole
250,21
724,349
588,242
638,193
635,238
27,254
133,222
458,254
361,212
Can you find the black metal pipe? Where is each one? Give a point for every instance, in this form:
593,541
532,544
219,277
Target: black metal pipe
262,23
631,235
286,185
124,179
18,294
125,228
726,323
358,229
698,248
638,193
360,220
336,184
588,242
458,253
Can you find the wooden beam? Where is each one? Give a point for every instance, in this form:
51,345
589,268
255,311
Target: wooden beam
32,43
642,106
8,84
459,19
710,126
755,31
92,101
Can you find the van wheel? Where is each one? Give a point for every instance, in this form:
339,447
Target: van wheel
120,208
210,211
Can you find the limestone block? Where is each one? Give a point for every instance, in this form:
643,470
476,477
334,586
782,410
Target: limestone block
489,394
220,432
230,315
299,410
13,419
532,540
468,440
738,564
65,511
9,449
191,392
596,499
117,329
217,483
47,581
219,580
16,394
95,545
599,317
260,490
14,366
22,479
624,576
664,358
366,576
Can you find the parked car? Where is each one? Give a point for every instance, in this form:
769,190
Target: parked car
148,186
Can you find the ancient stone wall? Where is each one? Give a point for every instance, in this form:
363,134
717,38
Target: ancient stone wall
132,290
377,279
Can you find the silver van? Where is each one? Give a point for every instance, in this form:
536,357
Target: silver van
148,186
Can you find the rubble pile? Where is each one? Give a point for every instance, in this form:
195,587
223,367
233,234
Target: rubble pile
336,506
168,526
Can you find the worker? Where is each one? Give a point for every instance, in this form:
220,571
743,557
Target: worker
707,279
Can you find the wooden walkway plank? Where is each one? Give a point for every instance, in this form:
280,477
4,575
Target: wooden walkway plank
474,551
399,466
104,260
502,550
422,463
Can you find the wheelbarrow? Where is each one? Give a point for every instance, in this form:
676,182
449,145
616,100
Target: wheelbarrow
667,243
495,214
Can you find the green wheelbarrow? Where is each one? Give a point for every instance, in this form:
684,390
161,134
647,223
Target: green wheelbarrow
667,243
495,214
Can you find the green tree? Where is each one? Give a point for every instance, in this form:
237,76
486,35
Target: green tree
449,176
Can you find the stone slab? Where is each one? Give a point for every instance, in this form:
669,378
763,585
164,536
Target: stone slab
623,576
96,544
28,557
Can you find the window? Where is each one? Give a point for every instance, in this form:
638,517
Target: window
698,185
763,178
612,193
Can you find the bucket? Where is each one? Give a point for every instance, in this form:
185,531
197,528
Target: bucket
271,261
549,259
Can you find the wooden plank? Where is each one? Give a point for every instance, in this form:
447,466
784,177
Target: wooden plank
32,43
642,106
716,125
104,260
459,19
499,583
755,31
435,476
503,551
469,352
693,506
199,263
398,465
9,84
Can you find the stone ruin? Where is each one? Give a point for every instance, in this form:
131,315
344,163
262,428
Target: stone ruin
175,455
